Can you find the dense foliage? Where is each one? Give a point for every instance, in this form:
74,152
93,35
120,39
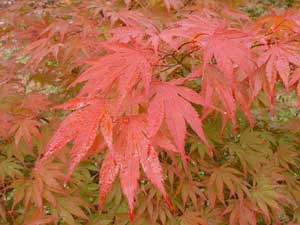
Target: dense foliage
149,112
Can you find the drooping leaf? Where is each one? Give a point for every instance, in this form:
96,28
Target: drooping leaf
80,127
132,148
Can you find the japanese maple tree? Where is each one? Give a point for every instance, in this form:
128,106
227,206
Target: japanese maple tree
149,112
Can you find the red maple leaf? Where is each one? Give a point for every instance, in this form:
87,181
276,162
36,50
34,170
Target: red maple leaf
125,65
218,97
148,36
132,148
214,37
216,45
80,127
277,58
173,103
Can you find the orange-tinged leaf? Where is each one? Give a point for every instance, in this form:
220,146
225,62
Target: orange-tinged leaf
25,128
221,178
242,212
37,218
176,4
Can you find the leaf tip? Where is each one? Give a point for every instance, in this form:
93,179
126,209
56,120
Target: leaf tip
210,151
169,204
131,216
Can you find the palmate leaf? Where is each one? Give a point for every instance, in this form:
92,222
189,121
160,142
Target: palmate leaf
70,207
214,35
40,187
44,41
190,190
278,24
190,27
125,65
80,126
39,50
138,29
251,151
172,104
203,216
238,53
25,128
132,148
277,58
215,91
9,168
242,212
192,218
143,35
218,97
37,218
222,178
286,156
44,189
22,119
152,207
266,198
131,18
